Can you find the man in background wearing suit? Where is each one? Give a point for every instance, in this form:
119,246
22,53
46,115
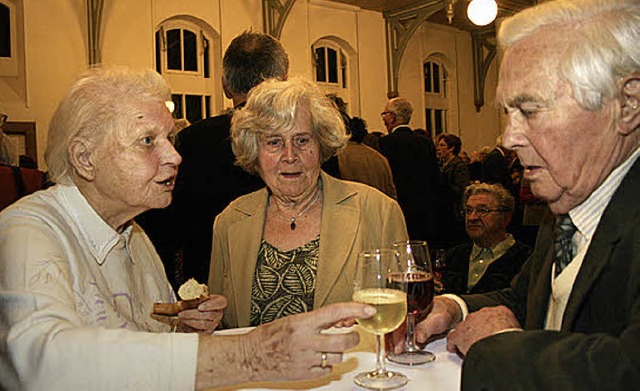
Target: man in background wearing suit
490,260
208,180
413,164
570,86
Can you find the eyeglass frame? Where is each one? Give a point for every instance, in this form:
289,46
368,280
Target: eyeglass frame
386,112
481,211
301,142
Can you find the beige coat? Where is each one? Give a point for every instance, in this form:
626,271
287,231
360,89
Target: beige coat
355,217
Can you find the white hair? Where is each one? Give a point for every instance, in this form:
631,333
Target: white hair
605,36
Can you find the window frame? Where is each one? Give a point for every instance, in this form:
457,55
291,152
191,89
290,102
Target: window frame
9,65
187,84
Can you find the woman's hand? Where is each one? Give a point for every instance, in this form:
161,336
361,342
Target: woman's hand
290,348
205,318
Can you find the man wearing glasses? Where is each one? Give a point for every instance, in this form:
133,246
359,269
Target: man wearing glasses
493,256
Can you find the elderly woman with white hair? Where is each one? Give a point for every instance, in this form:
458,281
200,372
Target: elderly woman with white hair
78,278
291,246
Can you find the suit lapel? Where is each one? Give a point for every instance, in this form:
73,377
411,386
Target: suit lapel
244,243
623,204
339,227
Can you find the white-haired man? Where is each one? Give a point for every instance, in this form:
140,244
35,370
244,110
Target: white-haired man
570,85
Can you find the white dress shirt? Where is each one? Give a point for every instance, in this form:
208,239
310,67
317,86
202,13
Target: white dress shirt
585,217
75,300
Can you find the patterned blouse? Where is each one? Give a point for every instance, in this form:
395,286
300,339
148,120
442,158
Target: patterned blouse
284,282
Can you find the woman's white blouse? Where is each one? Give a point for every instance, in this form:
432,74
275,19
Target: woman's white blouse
75,300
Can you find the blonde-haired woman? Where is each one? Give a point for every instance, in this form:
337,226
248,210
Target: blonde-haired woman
292,246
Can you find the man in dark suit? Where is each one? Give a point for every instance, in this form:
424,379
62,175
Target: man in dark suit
570,85
208,179
493,257
494,168
413,164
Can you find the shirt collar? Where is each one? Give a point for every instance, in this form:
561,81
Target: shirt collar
399,126
586,216
496,251
98,236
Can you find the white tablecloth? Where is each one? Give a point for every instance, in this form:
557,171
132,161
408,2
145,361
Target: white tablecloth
441,374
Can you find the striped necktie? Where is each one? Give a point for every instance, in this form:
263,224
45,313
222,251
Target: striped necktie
563,247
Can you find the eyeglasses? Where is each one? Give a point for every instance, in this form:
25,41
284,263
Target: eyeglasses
274,144
385,113
481,211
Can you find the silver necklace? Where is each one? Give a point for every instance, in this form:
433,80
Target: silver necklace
292,220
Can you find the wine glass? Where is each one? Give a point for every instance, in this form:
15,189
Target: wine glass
439,265
380,283
416,266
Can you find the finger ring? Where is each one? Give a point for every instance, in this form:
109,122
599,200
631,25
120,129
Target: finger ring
323,360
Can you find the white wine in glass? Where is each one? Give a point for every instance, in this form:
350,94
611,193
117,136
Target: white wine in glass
373,287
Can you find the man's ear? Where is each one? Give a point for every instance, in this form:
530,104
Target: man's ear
227,93
81,158
630,104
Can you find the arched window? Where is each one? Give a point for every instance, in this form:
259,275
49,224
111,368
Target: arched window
8,39
436,96
5,31
435,78
184,56
335,70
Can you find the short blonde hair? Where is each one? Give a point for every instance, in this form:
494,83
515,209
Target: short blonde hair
272,108
98,103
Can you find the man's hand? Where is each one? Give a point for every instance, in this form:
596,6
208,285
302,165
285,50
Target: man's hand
443,317
205,318
478,325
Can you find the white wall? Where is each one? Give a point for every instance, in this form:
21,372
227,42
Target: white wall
56,53
475,128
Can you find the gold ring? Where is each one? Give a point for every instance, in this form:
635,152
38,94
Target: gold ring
323,360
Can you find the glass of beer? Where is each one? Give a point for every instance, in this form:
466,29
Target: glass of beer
417,274
374,286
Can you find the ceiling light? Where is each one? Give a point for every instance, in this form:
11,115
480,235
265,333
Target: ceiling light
482,12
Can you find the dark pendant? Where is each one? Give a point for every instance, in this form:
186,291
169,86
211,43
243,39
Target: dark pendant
293,224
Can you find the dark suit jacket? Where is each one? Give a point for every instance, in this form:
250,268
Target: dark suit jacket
495,169
598,347
413,164
208,180
497,276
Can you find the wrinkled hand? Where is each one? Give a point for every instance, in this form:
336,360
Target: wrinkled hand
205,318
291,348
478,325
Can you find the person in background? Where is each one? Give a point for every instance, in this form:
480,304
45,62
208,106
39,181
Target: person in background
464,156
475,163
414,169
456,172
570,85
208,179
8,150
364,164
493,257
372,139
495,167
292,246
453,180
79,277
